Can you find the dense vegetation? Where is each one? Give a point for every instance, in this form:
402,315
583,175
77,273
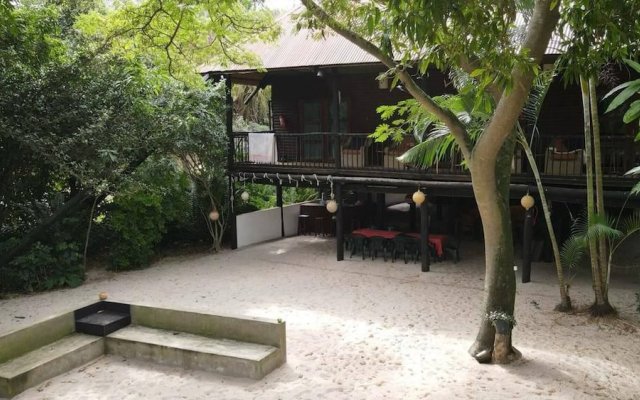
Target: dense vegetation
110,143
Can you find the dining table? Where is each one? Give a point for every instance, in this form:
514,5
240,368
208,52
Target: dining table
436,240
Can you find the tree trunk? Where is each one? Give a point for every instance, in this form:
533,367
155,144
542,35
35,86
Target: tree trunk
491,189
597,161
601,305
565,300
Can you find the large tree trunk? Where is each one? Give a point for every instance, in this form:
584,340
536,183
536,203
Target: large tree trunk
491,189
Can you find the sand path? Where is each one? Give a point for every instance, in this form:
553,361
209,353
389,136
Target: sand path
356,330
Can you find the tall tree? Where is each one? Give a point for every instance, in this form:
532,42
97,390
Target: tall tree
596,33
410,36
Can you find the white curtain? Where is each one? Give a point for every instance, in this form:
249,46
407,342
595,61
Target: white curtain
262,148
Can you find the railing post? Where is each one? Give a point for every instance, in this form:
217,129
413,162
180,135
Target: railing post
339,222
337,151
230,160
424,237
527,236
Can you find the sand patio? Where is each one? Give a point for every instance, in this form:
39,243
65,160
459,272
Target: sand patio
356,330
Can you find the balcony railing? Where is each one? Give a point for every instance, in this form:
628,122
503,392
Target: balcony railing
556,157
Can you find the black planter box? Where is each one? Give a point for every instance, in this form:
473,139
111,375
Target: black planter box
102,318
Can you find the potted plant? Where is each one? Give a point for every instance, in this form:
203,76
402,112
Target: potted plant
502,321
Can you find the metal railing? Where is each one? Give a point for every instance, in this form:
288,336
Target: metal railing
560,156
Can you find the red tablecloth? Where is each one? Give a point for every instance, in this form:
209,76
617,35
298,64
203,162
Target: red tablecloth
369,233
436,240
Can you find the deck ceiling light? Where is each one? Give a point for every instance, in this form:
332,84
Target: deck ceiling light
383,82
332,206
527,201
320,73
418,197
214,215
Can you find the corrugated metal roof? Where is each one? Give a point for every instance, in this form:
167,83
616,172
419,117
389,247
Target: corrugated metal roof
298,49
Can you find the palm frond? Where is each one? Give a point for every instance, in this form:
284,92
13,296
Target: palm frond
633,171
573,251
533,106
430,151
601,226
635,189
630,224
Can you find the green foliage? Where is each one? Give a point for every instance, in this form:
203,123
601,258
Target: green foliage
157,195
494,316
434,140
626,91
597,32
264,196
179,36
44,267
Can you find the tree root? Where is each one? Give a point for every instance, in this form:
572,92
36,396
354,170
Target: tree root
565,305
485,354
600,310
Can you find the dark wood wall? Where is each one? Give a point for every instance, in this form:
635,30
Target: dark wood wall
359,88
561,113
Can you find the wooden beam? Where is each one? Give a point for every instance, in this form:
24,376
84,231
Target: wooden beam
279,203
527,236
339,223
424,237
233,231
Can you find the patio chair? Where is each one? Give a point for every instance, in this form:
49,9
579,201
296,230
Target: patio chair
378,244
407,246
358,243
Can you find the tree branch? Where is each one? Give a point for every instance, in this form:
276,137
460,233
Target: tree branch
456,127
509,107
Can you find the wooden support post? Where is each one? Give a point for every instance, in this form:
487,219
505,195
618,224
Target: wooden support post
424,237
412,216
339,222
380,206
279,203
335,119
527,236
233,231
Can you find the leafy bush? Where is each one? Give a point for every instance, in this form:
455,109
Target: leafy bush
157,195
264,196
44,267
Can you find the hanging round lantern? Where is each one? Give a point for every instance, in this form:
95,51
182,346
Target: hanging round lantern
332,206
418,197
214,215
103,296
245,196
527,201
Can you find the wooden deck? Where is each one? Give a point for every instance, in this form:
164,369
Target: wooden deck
360,156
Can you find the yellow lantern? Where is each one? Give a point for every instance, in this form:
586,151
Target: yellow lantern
214,215
527,201
418,197
244,196
332,206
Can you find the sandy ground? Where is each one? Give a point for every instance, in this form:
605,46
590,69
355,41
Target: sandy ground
357,330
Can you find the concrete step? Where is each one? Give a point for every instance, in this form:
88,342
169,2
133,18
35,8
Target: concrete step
34,367
186,350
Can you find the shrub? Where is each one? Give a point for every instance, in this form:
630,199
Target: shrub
44,267
157,195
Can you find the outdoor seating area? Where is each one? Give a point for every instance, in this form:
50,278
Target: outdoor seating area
393,244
